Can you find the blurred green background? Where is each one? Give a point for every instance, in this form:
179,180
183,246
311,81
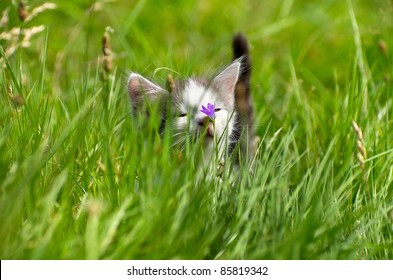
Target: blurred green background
318,35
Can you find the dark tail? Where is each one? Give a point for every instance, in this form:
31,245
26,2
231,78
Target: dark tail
241,50
243,99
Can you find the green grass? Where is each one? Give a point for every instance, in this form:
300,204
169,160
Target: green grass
80,178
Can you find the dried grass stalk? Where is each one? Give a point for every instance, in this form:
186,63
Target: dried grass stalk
361,149
4,18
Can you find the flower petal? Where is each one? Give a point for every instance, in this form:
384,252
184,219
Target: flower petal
209,111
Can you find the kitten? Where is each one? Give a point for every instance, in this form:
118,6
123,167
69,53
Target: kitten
221,120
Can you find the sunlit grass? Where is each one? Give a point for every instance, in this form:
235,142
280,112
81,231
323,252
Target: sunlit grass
82,178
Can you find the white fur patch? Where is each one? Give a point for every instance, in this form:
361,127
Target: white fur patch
194,96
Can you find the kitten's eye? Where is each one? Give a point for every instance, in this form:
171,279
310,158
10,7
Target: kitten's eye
183,115
217,109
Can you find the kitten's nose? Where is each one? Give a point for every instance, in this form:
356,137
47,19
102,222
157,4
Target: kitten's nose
204,121
208,124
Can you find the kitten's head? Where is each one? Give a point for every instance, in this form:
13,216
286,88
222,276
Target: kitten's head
187,99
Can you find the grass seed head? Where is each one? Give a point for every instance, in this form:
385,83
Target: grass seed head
101,166
383,47
361,149
22,11
107,52
106,44
4,18
17,101
171,86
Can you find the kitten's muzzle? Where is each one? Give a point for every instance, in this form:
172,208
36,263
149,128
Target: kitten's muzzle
208,124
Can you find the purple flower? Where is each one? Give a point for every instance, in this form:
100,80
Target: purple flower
209,111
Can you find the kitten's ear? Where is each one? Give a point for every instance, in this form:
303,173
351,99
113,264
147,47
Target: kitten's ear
225,83
140,88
